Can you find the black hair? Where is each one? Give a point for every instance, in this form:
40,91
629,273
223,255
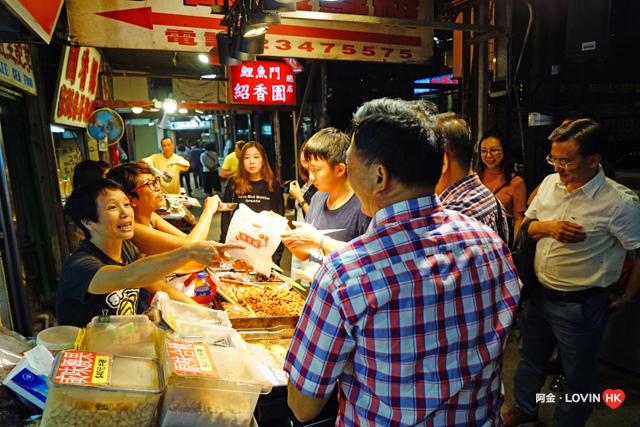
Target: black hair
328,144
590,135
88,170
82,204
455,136
210,146
182,147
506,166
127,176
404,142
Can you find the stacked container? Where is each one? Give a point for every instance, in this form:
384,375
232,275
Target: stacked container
183,311
122,335
97,389
209,386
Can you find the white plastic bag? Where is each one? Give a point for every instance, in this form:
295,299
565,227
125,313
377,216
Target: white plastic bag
260,233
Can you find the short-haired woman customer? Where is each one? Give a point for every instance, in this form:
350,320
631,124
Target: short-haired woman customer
254,185
496,173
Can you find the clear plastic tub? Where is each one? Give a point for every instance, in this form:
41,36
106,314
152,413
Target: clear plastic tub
122,335
183,311
223,396
58,338
130,398
187,331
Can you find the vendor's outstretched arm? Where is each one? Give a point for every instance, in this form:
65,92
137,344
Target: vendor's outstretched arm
149,270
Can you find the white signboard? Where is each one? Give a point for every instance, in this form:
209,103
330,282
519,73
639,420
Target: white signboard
188,25
15,66
77,86
193,124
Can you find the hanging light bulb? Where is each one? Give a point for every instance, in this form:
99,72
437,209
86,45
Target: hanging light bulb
170,105
136,110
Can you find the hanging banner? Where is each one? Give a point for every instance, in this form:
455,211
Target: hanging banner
77,86
37,15
262,82
15,66
189,26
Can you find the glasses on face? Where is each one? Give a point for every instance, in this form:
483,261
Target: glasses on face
560,163
493,151
152,184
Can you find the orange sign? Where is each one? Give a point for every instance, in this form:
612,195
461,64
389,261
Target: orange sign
39,16
83,367
191,359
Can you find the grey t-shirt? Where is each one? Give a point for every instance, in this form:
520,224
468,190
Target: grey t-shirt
348,216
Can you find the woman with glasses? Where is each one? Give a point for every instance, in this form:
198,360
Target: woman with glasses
496,173
152,234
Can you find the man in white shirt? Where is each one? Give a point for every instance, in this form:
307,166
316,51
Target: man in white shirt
170,163
586,223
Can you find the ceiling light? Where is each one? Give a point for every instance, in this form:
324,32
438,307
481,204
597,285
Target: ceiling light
224,50
197,119
199,111
56,129
204,58
183,111
252,45
154,110
170,105
208,76
251,31
136,110
237,51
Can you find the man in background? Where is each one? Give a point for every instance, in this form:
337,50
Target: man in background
169,163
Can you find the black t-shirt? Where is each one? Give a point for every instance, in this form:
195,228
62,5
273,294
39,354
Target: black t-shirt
259,199
74,305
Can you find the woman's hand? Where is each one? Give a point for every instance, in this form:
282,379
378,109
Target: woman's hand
304,237
212,203
207,252
295,191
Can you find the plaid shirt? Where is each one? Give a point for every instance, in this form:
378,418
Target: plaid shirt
412,318
470,197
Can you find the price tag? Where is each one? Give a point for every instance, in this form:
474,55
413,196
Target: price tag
83,367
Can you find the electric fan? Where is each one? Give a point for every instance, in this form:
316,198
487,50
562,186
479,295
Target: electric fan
106,127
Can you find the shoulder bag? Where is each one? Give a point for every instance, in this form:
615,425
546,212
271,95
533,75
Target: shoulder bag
524,253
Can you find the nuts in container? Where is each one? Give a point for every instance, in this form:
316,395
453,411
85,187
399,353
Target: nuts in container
265,301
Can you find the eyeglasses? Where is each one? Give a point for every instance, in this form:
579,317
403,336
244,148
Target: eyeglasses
560,163
493,151
152,184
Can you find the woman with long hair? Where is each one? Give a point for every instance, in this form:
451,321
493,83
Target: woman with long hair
254,185
496,173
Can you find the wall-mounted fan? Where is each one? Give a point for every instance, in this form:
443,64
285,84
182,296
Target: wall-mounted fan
106,127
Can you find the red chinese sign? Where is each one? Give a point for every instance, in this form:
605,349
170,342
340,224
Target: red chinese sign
83,367
262,83
77,86
191,359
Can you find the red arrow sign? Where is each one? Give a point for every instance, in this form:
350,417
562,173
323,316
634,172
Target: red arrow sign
144,17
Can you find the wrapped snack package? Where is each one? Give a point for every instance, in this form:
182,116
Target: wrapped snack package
260,233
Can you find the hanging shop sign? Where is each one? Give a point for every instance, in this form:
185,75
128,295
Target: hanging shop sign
39,16
188,25
15,66
192,124
77,86
262,82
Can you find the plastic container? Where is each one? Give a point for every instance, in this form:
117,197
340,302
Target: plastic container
129,397
221,336
224,394
58,338
183,311
204,290
122,335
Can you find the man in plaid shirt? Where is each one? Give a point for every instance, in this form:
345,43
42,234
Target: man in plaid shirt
459,188
412,317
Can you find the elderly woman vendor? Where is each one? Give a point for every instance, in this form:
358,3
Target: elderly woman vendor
105,273
152,234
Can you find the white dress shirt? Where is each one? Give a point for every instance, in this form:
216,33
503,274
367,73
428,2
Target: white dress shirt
610,215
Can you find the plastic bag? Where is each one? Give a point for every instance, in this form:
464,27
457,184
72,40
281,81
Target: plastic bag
29,377
260,233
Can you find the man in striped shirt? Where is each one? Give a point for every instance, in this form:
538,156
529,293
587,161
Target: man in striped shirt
412,317
459,188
